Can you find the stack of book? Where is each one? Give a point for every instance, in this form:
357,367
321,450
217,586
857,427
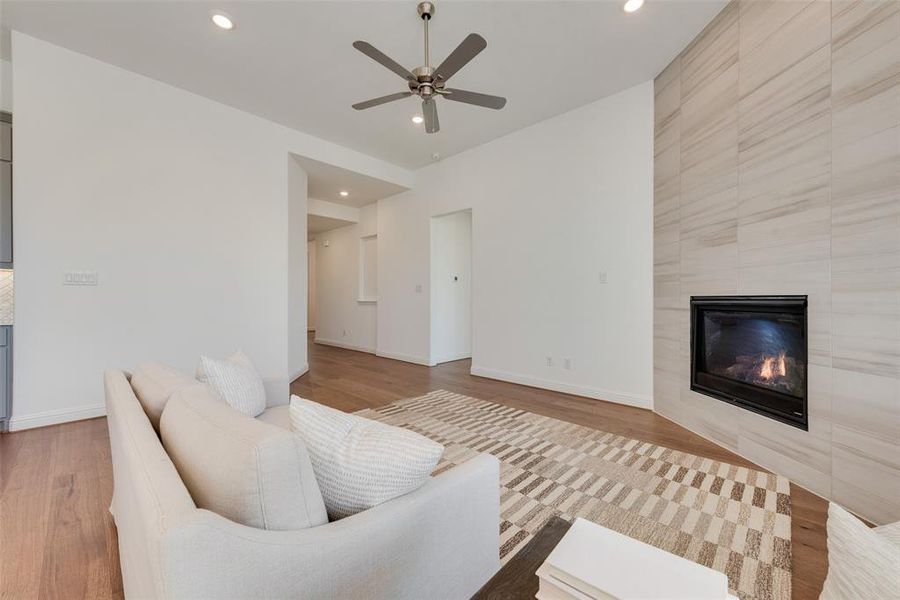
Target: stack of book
592,562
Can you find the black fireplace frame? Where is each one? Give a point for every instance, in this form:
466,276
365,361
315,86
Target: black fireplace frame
745,395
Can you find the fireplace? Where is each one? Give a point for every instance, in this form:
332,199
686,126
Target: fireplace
751,351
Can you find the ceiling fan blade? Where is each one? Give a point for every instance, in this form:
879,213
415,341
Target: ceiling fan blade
383,59
429,111
381,100
485,100
466,51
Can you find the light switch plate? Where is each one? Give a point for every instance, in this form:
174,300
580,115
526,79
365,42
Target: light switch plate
80,278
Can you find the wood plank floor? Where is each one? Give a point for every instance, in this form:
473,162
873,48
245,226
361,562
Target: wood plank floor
58,539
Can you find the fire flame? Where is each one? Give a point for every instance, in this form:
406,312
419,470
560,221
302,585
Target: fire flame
773,366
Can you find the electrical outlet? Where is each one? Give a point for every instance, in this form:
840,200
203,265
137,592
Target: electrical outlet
601,277
80,278
549,361
418,288
567,364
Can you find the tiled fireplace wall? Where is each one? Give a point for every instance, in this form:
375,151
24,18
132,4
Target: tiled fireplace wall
777,171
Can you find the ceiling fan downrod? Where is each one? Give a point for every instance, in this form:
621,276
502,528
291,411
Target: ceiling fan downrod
424,85
426,11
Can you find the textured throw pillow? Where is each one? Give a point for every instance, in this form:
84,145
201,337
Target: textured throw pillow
861,563
236,381
360,463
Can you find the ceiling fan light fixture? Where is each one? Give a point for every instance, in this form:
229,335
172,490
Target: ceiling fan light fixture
418,119
222,20
632,5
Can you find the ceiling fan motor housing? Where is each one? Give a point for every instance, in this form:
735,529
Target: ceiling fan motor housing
425,84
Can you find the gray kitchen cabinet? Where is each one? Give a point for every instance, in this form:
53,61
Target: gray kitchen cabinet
6,251
6,208
5,376
5,137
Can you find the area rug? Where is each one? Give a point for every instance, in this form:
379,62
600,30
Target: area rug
732,519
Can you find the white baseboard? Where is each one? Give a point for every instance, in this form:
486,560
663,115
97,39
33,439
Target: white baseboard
55,417
629,399
452,357
344,345
418,360
299,373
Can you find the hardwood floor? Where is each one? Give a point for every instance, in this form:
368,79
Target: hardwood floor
58,539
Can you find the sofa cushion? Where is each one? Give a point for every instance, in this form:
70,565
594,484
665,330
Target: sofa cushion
277,415
236,380
244,469
861,563
361,463
153,384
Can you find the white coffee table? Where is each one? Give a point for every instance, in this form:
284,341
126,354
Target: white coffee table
592,562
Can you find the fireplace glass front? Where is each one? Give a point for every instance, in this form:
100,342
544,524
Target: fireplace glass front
752,351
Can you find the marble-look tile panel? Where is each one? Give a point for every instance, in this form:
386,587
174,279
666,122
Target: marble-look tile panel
785,145
777,35
809,462
867,403
712,53
867,467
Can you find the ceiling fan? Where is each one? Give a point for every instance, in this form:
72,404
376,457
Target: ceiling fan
428,82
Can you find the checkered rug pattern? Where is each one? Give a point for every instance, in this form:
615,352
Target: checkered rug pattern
732,519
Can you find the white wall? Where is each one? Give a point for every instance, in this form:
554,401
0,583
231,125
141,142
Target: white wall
333,210
451,286
552,206
311,285
341,319
297,182
403,277
5,85
178,202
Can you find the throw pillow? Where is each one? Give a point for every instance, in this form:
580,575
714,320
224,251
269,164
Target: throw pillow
861,563
360,463
236,381
153,383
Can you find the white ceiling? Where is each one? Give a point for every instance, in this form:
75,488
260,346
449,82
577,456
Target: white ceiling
326,181
292,62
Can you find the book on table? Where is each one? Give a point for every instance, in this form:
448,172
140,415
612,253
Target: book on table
592,562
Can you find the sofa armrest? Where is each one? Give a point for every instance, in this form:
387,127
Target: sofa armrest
441,541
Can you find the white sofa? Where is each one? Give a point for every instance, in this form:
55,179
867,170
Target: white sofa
440,541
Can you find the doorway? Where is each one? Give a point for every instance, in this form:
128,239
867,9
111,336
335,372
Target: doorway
451,287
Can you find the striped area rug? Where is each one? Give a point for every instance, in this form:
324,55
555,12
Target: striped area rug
732,519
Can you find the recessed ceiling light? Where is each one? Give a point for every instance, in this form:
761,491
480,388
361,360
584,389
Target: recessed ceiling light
344,193
222,20
417,119
633,5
